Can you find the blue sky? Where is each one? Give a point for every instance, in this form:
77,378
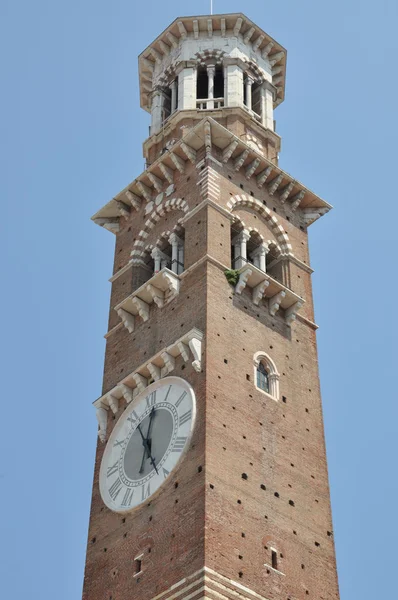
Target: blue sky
70,139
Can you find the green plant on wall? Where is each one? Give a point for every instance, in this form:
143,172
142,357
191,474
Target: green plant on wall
232,276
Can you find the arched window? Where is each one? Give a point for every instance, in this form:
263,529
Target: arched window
266,375
262,377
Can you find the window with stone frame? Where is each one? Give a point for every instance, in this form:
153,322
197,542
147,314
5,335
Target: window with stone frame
266,375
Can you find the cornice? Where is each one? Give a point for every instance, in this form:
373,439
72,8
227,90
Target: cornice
156,181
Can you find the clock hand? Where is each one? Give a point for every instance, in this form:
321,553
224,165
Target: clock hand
146,449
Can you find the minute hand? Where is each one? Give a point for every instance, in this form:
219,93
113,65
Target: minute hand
146,446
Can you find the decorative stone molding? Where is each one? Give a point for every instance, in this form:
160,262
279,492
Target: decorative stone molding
160,289
159,211
242,200
272,371
275,294
188,346
209,183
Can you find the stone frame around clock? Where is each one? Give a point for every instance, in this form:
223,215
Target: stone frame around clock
150,388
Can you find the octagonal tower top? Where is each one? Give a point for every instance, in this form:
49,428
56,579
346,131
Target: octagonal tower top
212,62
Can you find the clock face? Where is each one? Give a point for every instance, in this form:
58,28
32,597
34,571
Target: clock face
147,443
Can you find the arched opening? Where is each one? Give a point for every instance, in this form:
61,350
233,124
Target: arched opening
202,84
219,86
210,87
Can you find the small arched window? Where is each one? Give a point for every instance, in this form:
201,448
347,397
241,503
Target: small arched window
266,375
262,377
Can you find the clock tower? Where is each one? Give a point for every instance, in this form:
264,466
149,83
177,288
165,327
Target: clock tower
210,476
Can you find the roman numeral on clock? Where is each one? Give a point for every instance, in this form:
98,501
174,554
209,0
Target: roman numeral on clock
145,492
113,469
185,417
117,443
128,496
180,399
151,399
133,418
115,489
179,444
166,473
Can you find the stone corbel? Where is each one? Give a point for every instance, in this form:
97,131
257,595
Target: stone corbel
229,150
267,49
134,200
157,295
195,345
285,192
263,176
102,418
172,282
190,152
257,43
127,392
169,363
184,351
154,371
241,159
113,403
179,163
127,319
258,291
252,167
243,277
157,183
111,223
274,184
248,35
274,58
172,39
167,172
123,209
275,302
296,200
142,307
145,191
290,313
312,214
141,382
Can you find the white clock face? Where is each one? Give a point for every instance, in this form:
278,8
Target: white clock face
147,443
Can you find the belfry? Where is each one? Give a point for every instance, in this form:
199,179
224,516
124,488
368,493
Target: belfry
210,476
